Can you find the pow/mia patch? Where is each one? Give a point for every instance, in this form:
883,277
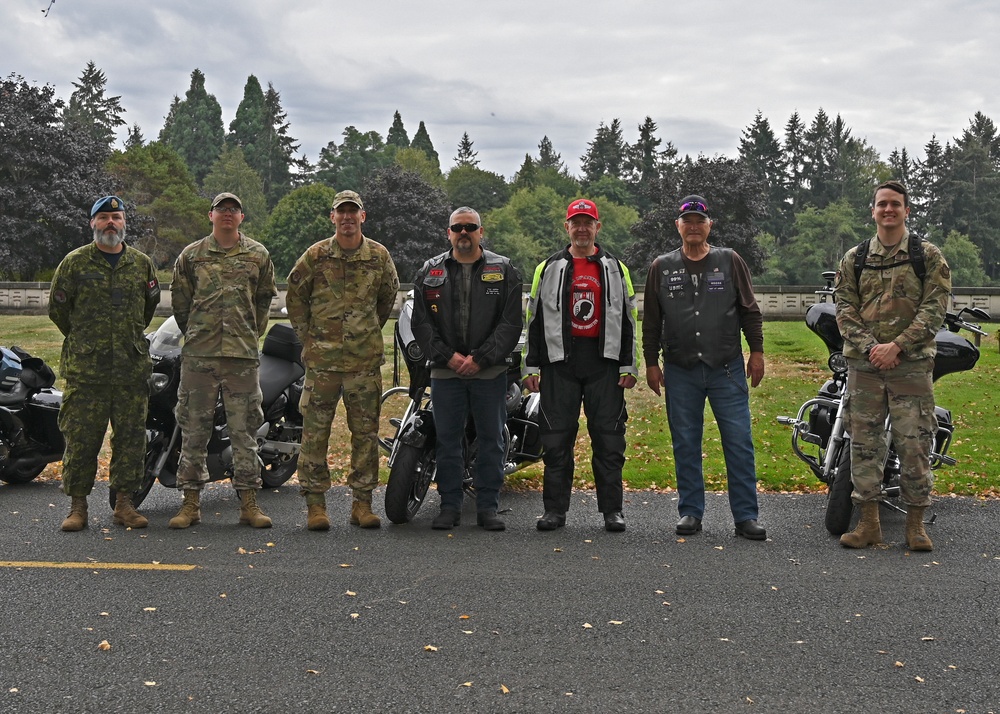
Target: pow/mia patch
59,296
492,277
294,277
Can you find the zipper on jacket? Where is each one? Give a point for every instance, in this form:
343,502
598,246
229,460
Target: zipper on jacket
559,283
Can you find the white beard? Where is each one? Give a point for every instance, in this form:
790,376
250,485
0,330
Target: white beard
109,240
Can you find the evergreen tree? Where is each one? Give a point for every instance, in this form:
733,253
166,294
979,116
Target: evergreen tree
232,173
526,176
194,127
902,167
134,138
605,154
972,190
645,163
90,109
927,199
280,149
466,156
397,134
422,141
168,121
817,156
249,129
761,151
547,156
794,146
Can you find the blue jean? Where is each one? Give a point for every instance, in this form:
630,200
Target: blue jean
726,389
452,401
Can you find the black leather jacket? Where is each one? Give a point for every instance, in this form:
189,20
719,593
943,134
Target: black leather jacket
495,309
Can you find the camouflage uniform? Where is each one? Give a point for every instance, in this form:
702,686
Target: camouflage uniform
221,300
338,303
892,305
102,311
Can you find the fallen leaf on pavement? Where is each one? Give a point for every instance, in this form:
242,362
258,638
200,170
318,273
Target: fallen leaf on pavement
104,646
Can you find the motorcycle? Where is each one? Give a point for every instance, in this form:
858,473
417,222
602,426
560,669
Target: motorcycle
29,416
819,432
281,377
410,442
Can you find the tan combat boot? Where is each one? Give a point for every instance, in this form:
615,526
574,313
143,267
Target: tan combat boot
916,536
868,531
361,515
190,512
250,513
316,519
77,518
125,513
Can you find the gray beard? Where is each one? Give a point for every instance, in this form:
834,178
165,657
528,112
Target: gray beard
109,240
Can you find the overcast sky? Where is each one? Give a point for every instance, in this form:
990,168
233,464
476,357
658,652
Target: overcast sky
511,72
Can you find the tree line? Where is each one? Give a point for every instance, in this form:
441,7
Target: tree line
791,204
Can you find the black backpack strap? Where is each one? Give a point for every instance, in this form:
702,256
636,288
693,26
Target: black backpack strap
859,259
916,258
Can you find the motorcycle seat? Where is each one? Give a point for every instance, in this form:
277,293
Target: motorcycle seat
276,374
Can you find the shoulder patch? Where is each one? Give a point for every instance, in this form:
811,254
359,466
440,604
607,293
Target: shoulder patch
436,272
59,296
294,278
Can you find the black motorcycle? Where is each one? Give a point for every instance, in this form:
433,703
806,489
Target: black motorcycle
29,416
278,438
410,438
819,435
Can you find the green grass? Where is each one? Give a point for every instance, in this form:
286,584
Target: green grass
796,365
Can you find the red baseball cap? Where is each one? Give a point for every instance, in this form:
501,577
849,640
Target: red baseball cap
582,205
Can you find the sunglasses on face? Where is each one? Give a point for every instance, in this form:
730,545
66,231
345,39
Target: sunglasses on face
467,227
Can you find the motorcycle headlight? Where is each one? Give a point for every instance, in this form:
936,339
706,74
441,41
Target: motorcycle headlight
158,382
837,363
414,352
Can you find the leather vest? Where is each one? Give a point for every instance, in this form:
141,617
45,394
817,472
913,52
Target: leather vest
700,319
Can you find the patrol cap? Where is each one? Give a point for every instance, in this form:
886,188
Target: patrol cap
107,204
693,204
227,196
348,197
584,207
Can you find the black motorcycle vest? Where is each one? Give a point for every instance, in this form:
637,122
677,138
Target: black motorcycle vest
700,322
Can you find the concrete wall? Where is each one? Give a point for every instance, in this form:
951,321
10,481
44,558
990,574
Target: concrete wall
777,302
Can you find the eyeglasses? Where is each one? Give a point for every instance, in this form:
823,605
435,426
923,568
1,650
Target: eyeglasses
694,206
467,227
232,210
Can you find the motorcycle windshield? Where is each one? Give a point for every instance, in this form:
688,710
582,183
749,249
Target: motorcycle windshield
166,338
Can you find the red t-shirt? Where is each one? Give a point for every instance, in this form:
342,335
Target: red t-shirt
585,300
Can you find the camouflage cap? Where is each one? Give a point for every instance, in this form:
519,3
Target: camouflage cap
227,196
347,197
107,204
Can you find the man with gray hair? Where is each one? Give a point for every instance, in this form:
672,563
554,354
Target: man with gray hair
467,319
102,297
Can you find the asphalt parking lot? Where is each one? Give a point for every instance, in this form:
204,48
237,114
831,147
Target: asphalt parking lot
221,617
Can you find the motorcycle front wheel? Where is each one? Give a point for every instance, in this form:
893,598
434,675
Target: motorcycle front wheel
409,479
839,507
